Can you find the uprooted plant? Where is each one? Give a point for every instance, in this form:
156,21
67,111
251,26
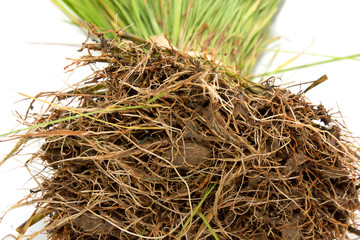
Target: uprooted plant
162,145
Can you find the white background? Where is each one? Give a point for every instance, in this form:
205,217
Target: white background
326,27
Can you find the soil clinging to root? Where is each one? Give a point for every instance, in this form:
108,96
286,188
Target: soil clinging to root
162,145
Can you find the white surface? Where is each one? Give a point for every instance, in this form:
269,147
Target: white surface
330,27
325,27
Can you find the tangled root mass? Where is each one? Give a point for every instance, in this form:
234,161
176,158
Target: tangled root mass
161,145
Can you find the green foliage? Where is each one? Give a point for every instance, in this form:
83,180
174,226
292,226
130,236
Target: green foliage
234,31
354,57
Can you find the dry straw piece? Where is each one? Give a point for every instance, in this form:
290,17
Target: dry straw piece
162,145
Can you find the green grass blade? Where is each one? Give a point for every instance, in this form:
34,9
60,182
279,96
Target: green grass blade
349,57
307,53
208,226
196,209
156,97
78,116
15,149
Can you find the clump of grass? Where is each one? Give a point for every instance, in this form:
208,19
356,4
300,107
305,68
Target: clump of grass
233,31
163,145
